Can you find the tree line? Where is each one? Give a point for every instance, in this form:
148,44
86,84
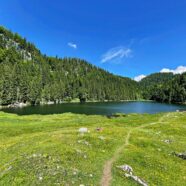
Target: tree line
165,87
39,79
28,76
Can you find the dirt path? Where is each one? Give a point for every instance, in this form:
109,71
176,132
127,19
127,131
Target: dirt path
107,169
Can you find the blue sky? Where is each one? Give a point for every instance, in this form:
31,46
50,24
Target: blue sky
125,37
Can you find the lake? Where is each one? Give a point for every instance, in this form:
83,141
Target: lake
105,108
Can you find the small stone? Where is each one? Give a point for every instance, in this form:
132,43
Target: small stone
83,130
167,141
91,175
40,178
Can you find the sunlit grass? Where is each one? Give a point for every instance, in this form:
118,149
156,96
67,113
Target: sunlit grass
48,150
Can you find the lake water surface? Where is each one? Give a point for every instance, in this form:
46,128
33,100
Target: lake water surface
105,108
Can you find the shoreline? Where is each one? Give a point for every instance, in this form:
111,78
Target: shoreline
22,105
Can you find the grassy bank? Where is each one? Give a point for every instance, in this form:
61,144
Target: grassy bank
48,150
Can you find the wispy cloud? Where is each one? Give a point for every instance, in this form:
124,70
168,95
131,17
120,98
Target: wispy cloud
116,54
72,45
178,70
139,78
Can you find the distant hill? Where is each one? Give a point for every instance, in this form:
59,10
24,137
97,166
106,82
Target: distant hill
28,76
164,87
155,79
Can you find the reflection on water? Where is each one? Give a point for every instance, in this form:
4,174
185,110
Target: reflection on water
105,108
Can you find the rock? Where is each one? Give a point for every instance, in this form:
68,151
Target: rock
180,155
83,130
167,141
129,169
17,105
126,168
137,179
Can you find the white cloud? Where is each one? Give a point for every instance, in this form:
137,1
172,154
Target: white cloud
115,54
178,70
72,45
139,78
165,70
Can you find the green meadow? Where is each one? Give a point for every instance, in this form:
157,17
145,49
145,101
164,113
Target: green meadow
50,150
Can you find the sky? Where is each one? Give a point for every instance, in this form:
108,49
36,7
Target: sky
130,38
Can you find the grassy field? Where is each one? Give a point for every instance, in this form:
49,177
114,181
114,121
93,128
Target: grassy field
49,150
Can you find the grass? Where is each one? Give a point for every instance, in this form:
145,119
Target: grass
48,150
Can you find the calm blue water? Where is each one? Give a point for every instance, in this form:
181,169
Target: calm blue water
98,108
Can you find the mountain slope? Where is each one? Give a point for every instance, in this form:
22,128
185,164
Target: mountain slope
156,78
164,87
28,76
